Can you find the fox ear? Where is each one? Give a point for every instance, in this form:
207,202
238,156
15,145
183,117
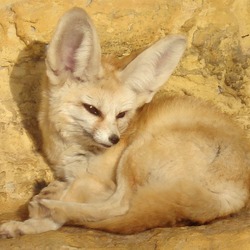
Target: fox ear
74,49
152,68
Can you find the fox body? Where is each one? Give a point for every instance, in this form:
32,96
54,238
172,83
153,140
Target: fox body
124,162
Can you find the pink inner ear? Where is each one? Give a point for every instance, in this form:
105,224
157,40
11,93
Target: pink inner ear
68,49
161,62
69,61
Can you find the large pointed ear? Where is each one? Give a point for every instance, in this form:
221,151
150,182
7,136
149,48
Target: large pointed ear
152,68
74,49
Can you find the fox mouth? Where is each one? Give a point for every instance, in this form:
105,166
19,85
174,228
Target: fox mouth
105,145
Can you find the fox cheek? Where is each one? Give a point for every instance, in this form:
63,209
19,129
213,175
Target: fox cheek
122,124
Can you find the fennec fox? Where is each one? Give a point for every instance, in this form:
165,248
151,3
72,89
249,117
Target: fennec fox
125,163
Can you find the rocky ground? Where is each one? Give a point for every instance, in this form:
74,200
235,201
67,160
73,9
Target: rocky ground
231,233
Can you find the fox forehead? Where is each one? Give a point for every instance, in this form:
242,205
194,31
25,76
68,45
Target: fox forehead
108,97
107,94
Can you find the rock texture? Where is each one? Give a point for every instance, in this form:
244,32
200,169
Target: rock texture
228,234
215,67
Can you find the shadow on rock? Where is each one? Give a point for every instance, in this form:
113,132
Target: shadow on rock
25,85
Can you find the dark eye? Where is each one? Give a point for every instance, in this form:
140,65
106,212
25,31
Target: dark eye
92,109
121,115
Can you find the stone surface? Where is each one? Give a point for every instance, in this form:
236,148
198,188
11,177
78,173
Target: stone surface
233,234
215,68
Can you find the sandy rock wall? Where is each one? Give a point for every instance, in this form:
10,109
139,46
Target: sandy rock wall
215,66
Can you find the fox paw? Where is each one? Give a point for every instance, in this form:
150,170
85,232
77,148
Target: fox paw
52,192
12,229
58,209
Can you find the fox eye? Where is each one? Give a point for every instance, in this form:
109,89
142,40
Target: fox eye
92,109
121,115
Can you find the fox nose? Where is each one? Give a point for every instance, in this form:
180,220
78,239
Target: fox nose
114,139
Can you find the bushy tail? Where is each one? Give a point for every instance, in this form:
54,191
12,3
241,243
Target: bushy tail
179,205
147,210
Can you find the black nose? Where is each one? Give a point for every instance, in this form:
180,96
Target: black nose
114,139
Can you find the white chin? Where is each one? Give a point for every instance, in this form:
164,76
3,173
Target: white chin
106,145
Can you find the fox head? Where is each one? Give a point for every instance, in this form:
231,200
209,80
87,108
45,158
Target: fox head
90,98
